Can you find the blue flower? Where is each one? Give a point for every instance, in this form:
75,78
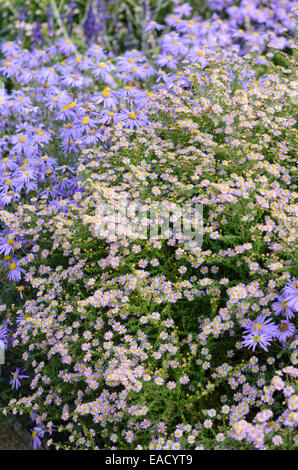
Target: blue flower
285,330
290,293
37,434
253,338
16,376
281,306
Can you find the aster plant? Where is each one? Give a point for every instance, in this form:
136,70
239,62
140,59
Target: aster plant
151,343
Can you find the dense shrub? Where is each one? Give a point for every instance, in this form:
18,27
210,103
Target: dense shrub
134,344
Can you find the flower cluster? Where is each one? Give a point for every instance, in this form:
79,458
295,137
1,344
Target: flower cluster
266,429
138,343
262,330
151,342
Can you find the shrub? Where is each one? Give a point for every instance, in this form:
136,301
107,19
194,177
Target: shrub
136,344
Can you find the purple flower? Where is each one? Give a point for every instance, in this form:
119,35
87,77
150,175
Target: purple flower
49,75
260,331
152,26
103,70
16,376
262,325
75,79
285,330
253,338
90,25
84,125
37,434
6,244
133,119
4,333
278,42
37,34
166,60
71,6
108,97
50,23
14,272
197,55
290,293
107,117
66,46
22,143
282,307
183,10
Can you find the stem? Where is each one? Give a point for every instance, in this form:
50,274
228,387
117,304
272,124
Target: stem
58,18
13,9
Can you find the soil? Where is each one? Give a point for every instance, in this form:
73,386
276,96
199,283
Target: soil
13,436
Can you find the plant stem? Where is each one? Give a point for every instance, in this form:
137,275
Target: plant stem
59,19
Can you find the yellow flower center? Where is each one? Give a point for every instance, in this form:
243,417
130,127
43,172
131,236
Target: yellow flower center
257,326
106,93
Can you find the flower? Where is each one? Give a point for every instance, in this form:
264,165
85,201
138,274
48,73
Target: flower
166,60
285,330
6,245
16,377
253,338
262,325
133,119
100,358
14,273
208,423
290,293
4,333
281,306
277,440
37,434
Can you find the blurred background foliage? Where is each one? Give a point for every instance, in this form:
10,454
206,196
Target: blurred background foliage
115,24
